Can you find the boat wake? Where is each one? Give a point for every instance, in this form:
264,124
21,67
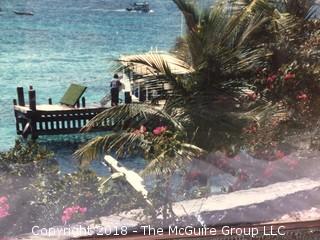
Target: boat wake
119,10
108,10
136,11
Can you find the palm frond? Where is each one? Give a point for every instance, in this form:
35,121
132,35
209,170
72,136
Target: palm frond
159,66
190,11
181,50
157,63
120,144
264,112
172,159
298,8
131,116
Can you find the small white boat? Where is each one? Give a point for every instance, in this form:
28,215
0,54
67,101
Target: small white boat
23,13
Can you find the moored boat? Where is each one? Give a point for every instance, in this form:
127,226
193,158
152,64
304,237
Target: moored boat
139,7
23,13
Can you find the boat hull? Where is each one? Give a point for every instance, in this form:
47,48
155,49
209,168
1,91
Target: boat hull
23,13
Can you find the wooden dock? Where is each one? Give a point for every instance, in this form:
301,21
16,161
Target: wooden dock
35,120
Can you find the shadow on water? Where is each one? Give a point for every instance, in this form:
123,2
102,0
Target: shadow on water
64,147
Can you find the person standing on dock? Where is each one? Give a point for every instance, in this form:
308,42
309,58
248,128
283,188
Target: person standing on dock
115,88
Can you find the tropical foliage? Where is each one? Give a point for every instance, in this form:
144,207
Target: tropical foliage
30,155
217,50
251,79
33,188
224,49
248,66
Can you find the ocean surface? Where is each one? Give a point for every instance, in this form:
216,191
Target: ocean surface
72,41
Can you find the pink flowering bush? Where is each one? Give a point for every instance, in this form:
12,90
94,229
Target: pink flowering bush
291,85
72,213
159,130
4,207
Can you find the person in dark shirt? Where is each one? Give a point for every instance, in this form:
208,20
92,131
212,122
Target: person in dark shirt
115,88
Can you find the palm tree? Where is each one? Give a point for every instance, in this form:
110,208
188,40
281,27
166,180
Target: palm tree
204,110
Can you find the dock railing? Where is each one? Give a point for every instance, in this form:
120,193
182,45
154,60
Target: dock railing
36,120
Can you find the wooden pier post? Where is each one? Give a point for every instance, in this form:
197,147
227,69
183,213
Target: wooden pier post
15,114
32,99
20,94
32,115
83,101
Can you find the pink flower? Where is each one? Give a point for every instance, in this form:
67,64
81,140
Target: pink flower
4,207
3,200
83,210
291,163
69,212
65,219
289,76
159,130
271,79
279,154
302,96
268,172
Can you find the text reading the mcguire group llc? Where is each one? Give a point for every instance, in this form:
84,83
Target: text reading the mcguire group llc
148,230
203,231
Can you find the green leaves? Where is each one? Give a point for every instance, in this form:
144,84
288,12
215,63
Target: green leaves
207,73
26,159
132,116
215,49
219,44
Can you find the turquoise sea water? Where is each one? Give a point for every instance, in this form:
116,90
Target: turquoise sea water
72,41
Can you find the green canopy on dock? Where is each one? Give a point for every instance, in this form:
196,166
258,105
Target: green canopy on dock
73,95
